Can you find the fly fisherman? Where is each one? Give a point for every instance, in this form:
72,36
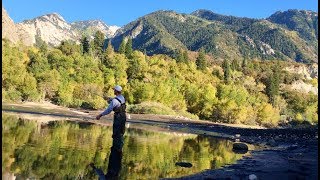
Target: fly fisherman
117,105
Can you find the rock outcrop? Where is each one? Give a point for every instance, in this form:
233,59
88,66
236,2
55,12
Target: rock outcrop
9,30
51,28
308,71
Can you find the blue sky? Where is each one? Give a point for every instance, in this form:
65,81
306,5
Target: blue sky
121,12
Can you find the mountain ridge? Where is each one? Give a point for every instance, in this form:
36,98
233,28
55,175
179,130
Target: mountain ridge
52,28
222,36
285,35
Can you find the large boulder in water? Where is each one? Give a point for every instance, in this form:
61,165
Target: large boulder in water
240,148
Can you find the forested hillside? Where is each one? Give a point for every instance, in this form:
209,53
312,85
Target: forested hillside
81,75
290,35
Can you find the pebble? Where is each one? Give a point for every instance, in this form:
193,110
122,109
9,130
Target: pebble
253,177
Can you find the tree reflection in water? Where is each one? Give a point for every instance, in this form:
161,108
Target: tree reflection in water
65,150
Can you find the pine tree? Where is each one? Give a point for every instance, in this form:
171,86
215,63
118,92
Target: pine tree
273,83
185,56
85,45
234,65
226,70
180,56
244,63
98,41
42,45
128,50
201,61
122,47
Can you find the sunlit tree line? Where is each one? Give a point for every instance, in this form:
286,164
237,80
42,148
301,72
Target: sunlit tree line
82,75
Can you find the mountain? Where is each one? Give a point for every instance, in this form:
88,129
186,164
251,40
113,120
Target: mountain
302,21
51,28
222,36
232,22
9,29
290,35
167,32
91,26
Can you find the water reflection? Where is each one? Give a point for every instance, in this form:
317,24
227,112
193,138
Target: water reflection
114,165
64,150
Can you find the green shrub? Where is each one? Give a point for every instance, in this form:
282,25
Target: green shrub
157,108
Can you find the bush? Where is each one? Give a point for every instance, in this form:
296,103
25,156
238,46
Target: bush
13,95
150,108
268,116
157,108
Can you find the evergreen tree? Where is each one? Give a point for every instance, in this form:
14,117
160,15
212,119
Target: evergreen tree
226,70
42,45
85,45
185,56
98,43
180,56
273,83
234,65
109,49
122,47
128,50
201,61
244,63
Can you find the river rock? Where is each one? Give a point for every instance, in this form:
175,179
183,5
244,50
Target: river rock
272,143
240,148
184,164
253,177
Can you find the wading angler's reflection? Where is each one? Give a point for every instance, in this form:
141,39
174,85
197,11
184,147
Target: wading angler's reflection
114,165
117,105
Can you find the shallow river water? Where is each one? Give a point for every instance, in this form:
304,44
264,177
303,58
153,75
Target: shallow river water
64,150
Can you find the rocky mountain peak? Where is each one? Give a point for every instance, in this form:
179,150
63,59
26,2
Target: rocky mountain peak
201,11
53,18
93,25
51,28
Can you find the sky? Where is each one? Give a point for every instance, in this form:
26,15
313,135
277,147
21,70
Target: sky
122,12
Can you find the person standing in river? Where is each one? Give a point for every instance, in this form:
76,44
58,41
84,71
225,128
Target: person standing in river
117,105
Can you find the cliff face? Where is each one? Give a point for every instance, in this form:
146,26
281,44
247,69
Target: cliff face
308,71
9,30
51,28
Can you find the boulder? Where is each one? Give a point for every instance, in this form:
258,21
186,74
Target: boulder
184,164
240,148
